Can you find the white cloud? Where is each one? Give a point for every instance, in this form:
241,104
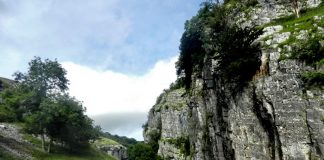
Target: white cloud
123,124
68,30
117,102
110,92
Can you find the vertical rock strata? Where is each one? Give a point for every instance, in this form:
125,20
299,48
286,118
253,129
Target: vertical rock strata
274,117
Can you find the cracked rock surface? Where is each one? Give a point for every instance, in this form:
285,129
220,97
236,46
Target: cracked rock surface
274,117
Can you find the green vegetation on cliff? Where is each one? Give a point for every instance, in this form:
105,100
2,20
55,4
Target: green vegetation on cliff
210,35
213,49
305,42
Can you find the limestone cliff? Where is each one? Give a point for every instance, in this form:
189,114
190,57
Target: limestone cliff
274,117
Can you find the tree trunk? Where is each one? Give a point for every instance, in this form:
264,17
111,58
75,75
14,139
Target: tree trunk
49,145
296,7
43,142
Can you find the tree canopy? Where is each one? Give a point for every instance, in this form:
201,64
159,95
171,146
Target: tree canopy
210,35
40,100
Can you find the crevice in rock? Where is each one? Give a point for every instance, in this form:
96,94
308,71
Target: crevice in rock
222,121
218,144
313,143
276,132
275,129
310,135
268,124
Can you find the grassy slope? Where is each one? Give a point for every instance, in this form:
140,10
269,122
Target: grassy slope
305,21
5,155
90,153
307,50
6,81
58,153
61,154
105,141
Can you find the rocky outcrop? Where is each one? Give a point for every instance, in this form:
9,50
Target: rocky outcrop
274,117
11,141
267,10
118,151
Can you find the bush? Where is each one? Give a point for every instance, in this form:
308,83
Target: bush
141,151
182,143
179,83
209,35
238,57
313,79
310,51
191,48
7,114
155,137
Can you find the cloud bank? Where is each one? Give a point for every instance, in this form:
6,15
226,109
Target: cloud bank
119,102
103,34
112,49
123,124
112,92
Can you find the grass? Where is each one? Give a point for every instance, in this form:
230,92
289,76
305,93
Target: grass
4,155
105,141
90,153
309,51
60,153
305,21
35,141
313,79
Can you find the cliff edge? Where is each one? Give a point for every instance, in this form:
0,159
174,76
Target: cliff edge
278,114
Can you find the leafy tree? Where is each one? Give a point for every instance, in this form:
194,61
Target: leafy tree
191,46
45,107
296,7
61,118
141,151
210,35
238,57
44,77
43,80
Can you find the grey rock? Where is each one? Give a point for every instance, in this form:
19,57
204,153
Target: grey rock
273,117
118,151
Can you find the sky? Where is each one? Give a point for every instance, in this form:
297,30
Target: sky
119,54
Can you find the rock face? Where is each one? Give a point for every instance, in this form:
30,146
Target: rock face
11,141
118,151
268,10
274,117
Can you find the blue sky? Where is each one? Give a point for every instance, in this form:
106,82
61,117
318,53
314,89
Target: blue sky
125,49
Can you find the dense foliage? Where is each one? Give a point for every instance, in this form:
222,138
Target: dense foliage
123,140
311,51
39,99
141,151
313,79
209,35
182,143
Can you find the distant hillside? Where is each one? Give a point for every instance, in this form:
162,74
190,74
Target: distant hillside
125,141
4,82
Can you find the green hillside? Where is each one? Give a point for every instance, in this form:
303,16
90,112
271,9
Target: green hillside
17,145
40,120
